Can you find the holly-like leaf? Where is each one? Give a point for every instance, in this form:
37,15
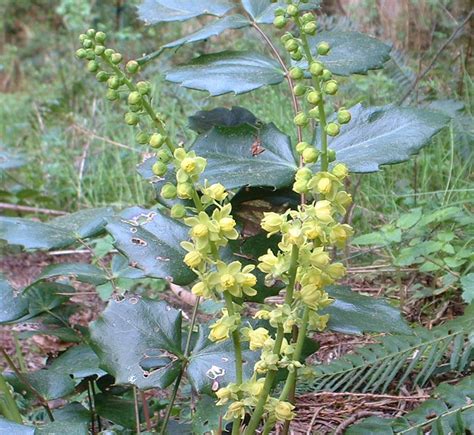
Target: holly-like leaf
130,332
79,362
157,11
227,71
384,136
151,241
247,156
12,307
83,272
215,28
62,427
263,11
204,120
353,313
56,233
10,427
351,52
116,409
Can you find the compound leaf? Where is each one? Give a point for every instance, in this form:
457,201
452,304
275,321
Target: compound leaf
213,29
227,71
134,330
151,241
232,162
353,313
157,11
384,136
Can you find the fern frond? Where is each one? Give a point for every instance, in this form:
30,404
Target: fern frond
450,410
398,70
374,367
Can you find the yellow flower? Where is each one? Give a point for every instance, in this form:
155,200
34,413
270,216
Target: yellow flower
200,230
323,211
272,222
340,171
193,259
188,165
249,280
324,186
267,261
262,314
257,338
215,191
232,278
235,410
201,289
284,411
227,224
339,234
253,388
225,394
319,258
317,322
227,281
311,296
336,270
219,331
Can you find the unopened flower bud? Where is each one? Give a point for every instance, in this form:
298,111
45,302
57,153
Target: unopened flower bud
109,52
296,73
193,259
301,146
314,97
184,190
99,49
333,129
159,168
134,98
102,76
142,138
168,191
290,45
301,119
90,33
331,155
112,95
330,87
299,89
131,118
132,67
113,82
157,140
310,28
144,88
163,155
100,37
323,48
92,66
343,116
310,155
340,171
178,211
116,58
327,75
87,43
292,10
316,68
280,22
81,53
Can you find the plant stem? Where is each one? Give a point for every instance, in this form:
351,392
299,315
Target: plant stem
322,113
270,377
8,406
24,379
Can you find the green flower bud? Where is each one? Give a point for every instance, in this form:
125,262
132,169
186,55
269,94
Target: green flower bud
135,108
144,88
132,67
279,11
291,45
316,68
156,140
301,146
286,37
296,73
297,55
344,116
109,52
300,186
333,129
323,48
91,33
87,43
331,155
178,211
327,75
330,87
100,37
168,191
81,53
102,76
307,18
292,10
314,113
142,138
112,95
82,37
280,22
301,119
299,89
304,174
159,168
314,97
310,28
92,66
134,98
131,118
99,49
116,58
184,190
113,82
310,155
164,155
90,55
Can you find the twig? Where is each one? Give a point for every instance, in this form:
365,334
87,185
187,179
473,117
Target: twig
137,413
95,136
146,411
435,58
24,380
313,419
27,209
371,396
357,416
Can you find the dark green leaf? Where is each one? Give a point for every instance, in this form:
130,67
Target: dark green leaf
57,233
384,135
230,160
208,417
151,240
351,52
204,120
63,427
72,412
467,283
64,334
353,313
228,71
83,272
215,28
263,11
157,11
79,362
116,409
407,220
131,331
12,306
44,297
